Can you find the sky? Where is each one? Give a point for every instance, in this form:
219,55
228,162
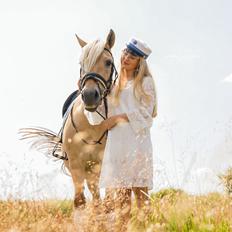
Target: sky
190,62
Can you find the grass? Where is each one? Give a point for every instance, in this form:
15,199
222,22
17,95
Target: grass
36,216
170,210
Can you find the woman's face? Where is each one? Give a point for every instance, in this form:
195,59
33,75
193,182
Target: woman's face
129,61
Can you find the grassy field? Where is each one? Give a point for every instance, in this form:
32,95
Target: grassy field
170,210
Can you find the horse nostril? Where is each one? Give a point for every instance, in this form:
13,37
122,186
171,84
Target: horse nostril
96,94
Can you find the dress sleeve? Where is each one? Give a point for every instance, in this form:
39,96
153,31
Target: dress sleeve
141,117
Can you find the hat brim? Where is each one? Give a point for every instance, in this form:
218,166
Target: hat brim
136,50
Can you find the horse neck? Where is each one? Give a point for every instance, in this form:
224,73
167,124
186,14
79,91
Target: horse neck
81,121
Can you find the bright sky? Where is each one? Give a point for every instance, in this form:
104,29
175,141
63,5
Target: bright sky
191,63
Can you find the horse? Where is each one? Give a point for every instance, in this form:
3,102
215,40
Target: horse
80,144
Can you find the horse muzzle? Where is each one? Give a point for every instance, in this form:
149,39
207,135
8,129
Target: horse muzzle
91,98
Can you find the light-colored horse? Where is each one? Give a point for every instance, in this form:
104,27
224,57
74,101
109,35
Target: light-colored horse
84,158
83,143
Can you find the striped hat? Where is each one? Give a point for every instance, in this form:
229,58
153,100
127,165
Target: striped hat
138,47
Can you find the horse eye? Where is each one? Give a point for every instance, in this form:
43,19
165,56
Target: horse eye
108,63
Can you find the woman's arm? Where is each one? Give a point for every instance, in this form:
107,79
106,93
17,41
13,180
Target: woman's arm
139,118
111,122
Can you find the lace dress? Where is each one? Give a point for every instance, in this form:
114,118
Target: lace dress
127,160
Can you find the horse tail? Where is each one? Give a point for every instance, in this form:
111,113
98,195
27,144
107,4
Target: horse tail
44,140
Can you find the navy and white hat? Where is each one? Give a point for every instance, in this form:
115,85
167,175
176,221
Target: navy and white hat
139,47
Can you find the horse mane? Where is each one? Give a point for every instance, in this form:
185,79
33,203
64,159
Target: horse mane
90,54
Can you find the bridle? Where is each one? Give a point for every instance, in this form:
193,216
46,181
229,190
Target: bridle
106,86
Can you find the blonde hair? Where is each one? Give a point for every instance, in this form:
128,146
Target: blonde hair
140,73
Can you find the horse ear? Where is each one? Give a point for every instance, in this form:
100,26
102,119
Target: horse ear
110,39
80,41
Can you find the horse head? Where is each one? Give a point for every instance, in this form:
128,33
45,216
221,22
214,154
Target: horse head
97,70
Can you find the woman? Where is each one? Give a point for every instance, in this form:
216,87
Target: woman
127,163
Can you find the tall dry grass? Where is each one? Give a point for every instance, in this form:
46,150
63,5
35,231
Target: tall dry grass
36,216
170,210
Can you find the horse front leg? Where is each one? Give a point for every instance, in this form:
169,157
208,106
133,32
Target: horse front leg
80,214
79,199
78,181
94,189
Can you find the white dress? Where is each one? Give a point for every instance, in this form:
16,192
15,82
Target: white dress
127,160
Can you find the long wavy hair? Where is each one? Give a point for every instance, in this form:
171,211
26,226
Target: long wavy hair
141,71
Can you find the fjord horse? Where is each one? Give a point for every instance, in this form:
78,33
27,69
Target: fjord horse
81,144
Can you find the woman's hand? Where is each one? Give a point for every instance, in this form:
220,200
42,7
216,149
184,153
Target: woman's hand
111,122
